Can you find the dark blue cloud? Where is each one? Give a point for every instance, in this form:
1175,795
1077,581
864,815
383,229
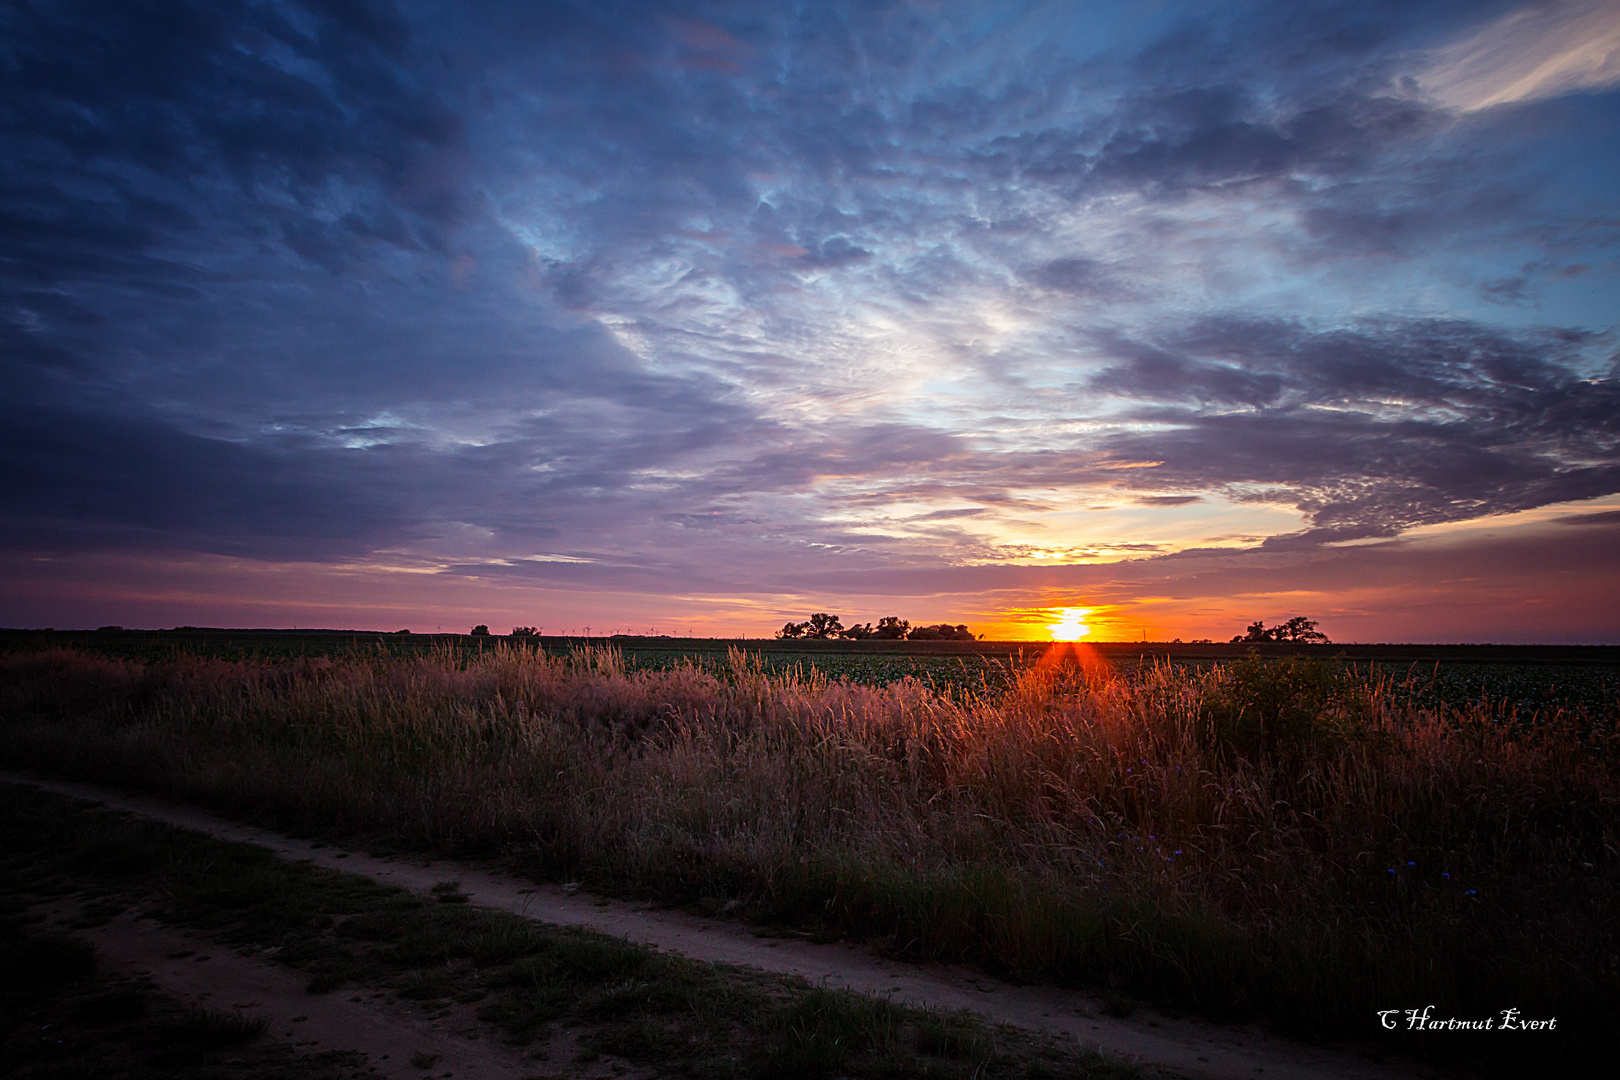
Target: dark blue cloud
1376,428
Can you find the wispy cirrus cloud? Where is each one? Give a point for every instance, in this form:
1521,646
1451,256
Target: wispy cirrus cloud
1537,51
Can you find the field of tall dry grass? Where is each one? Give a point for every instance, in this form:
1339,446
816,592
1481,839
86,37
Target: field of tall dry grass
1283,840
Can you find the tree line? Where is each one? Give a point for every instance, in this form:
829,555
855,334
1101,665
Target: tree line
821,627
1299,628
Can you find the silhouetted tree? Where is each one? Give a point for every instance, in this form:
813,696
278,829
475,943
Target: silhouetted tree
892,628
793,630
823,626
480,630
860,632
1299,628
525,631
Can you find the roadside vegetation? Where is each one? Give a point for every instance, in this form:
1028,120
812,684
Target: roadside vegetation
568,999
1286,839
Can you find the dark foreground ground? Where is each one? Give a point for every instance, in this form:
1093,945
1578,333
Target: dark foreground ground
558,1002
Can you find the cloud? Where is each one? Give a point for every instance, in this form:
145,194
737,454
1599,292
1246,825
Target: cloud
1078,275
1603,518
83,481
143,124
833,252
1375,428
1539,51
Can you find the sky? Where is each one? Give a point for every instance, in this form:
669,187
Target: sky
701,317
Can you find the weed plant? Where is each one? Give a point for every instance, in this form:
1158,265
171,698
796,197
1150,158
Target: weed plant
1283,839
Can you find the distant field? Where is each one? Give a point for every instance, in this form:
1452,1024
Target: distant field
1506,678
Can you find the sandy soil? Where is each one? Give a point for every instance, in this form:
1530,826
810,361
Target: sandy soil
1194,1047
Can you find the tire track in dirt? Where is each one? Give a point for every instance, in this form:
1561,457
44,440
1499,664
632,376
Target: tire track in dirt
398,1041
1195,1047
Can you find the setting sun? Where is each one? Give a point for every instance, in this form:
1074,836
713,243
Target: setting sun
1071,626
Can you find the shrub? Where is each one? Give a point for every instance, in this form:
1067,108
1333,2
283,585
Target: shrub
1260,707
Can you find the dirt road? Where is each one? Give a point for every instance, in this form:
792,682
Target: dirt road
395,1040
1194,1047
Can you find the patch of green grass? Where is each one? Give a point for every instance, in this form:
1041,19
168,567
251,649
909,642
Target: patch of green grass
953,1036
502,940
818,1034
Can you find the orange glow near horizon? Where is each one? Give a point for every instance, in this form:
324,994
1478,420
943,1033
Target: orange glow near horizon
1071,625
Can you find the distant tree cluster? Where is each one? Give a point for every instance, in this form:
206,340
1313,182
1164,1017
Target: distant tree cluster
889,628
822,626
941,632
1299,628
482,630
